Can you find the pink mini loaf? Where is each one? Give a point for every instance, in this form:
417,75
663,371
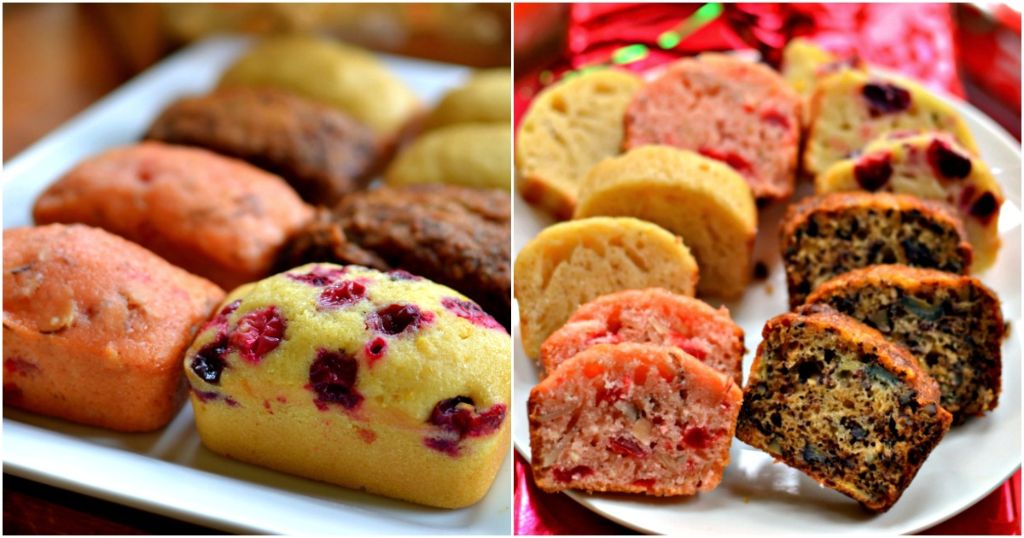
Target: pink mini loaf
738,112
656,316
632,418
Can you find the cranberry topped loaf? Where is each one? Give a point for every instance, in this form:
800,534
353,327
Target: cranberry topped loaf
321,152
653,315
833,398
824,236
455,236
738,112
570,127
951,323
215,216
95,327
381,381
851,108
571,263
929,165
632,418
701,200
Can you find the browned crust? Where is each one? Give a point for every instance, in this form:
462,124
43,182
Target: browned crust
537,192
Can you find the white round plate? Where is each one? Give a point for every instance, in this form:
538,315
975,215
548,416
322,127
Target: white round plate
758,495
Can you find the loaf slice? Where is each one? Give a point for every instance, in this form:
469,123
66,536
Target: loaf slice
571,263
632,418
569,128
951,323
828,235
653,315
850,108
804,63
729,109
929,165
699,199
833,398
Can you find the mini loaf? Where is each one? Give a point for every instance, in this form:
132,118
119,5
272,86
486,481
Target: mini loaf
632,418
738,112
851,108
468,154
930,165
571,263
699,199
833,398
951,323
484,98
95,327
569,128
828,235
455,236
652,315
320,151
217,217
379,381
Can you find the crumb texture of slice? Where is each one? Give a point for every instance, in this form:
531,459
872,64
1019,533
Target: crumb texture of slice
930,165
571,263
632,418
831,397
699,199
739,112
827,235
569,128
652,315
952,324
851,108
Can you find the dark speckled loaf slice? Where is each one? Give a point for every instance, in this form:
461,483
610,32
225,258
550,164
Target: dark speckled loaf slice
833,398
951,323
828,235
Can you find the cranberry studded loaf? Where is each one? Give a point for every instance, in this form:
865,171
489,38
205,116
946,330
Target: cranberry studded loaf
217,217
652,315
321,152
699,199
571,263
741,113
929,165
95,327
951,323
828,235
632,418
851,108
569,128
381,381
833,398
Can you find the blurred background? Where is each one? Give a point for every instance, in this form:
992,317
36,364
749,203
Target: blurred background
60,58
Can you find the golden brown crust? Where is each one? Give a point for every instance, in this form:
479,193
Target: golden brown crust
904,276
95,327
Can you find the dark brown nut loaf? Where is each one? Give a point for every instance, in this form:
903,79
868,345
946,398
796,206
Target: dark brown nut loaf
323,153
215,216
951,323
456,236
833,398
828,235
95,327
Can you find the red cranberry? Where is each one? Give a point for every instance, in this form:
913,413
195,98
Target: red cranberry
948,162
885,98
568,475
341,293
375,349
332,376
448,446
402,274
209,360
259,332
627,446
206,396
396,318
318,276
645,483
697,437
774,117
457,418
985,207
221,319
728,157
469,310
873,171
